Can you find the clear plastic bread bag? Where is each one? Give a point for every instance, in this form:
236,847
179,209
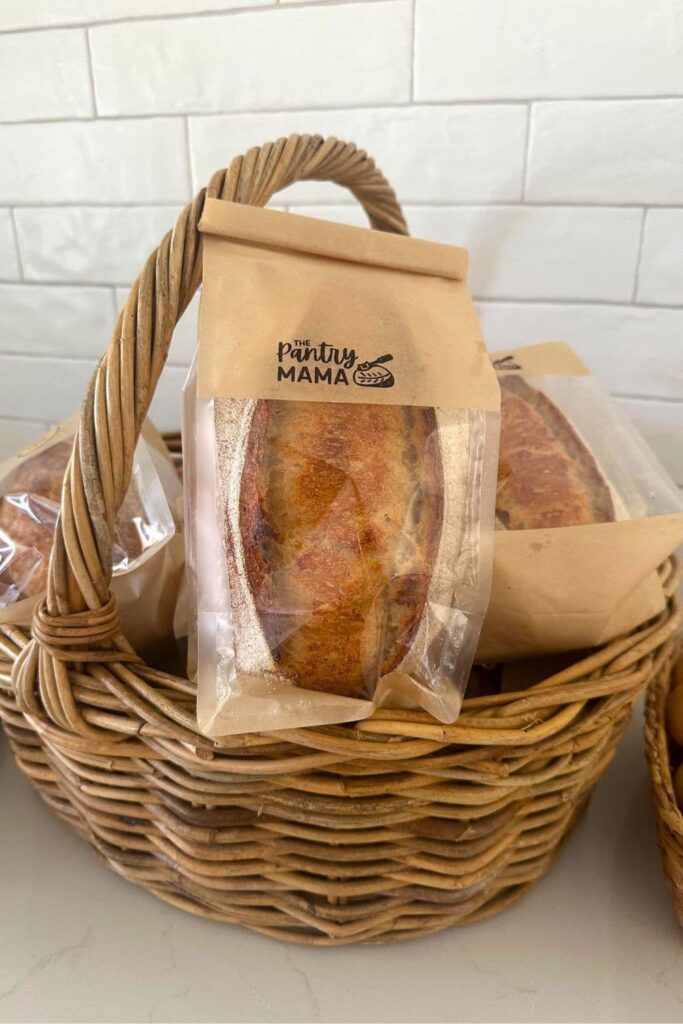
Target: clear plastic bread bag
30,496
585,513
340,432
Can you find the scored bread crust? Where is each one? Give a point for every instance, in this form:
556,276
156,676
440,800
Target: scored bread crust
340,517
29,508
547,476
28,515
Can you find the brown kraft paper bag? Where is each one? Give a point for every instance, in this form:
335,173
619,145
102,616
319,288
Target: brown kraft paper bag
340,430
573,587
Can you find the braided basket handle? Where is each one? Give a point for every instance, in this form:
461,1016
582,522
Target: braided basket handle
79,607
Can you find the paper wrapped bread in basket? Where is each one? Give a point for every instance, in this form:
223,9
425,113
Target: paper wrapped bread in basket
390,828
585,513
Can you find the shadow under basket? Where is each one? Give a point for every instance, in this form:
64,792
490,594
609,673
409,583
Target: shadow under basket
658,748
389,829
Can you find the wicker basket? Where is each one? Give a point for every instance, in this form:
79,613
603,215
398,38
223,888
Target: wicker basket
668,813
393,828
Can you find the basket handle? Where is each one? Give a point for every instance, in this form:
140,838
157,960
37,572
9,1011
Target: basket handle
78,620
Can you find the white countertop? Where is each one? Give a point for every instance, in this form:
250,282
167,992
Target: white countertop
596,940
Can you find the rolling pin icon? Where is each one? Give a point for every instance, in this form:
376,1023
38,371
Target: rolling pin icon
374,374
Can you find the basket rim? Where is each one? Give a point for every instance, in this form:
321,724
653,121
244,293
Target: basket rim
658,755
524,719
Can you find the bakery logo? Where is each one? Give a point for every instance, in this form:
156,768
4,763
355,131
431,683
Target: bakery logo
374,374
303,362
506,363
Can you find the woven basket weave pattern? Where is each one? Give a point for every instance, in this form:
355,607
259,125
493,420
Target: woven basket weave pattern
668,813
390,829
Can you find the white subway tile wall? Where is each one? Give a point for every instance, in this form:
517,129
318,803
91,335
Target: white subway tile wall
525,252
139,160
94,244
53,320
16,14
341,54
635,351
61,89
449,154
532,49
606,151
661,272
15,434
9,257
547,138
550,252
50,387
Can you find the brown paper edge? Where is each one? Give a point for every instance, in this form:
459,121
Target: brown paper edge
617,558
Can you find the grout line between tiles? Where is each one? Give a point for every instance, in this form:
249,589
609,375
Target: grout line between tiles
412,51
639,257
188,158
245,8
21,419
527,148
91,72
456,103
17,247
666,400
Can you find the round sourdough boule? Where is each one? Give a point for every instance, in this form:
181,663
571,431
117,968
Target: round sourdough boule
340,517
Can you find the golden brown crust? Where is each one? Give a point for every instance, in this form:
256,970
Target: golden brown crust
28,515
341,509
547,477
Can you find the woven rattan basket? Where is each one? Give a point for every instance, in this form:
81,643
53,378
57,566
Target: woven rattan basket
393,828
667,811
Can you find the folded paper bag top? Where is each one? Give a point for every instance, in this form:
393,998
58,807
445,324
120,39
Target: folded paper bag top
357,295
278,230
341,426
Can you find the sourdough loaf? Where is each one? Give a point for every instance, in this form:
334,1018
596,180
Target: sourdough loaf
340,517
28,514
29,509
547,476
